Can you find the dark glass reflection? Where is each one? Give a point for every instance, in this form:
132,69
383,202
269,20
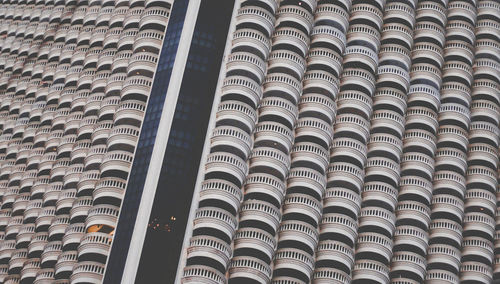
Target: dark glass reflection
132,198
165,233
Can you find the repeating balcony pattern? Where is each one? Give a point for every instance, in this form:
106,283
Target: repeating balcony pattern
248,79
403,97
62,71
477,251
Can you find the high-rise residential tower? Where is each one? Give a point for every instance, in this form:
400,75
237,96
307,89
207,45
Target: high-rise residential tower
75,77
249,141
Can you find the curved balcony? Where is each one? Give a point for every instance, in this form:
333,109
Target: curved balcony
30,269
217,219
446,229
236,114
404,262
317,106
349,147
247,64
94,156
407,236
251,41
287,62
282,85
136,89
451,159
484,132
292,232
73,235
454,135
130,112
382,169
370,244
475,272
148,39
123,134
7,248
345,175
380,193
479,223
328,275
291,38
339,226
94,246
338,197
423,117
308,179
448,180
202,274
65,200
261,214
273,108
203,247
226,138
314,129
45,276
378,217
360,78
385,145
310,155
368,12
254,14
87,182
74,171
226,165
109,190
298,204
355,125
297,14
88,272
45,217
414,211
478,249
24,235
357,101
370,269
32,210
20,203
443,256
324,58
118,162
265,184
50,253
321,82
65,264
387,75
13,227
456,113
102,214
274,134
448,204
218,189
329,251
397,31
301,263
482,176
241,88
109,106
249,268
58,226
483,199
16,262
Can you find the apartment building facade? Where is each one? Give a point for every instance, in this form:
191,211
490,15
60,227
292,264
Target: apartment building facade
249,141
